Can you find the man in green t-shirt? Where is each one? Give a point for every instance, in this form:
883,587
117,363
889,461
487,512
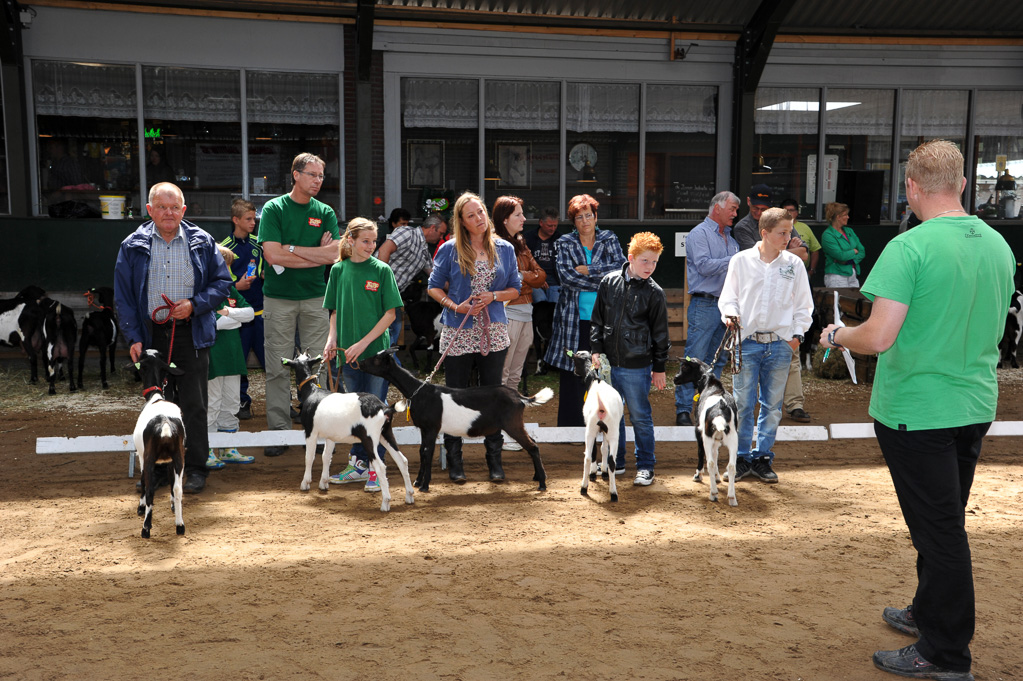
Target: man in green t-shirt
940,292
300,237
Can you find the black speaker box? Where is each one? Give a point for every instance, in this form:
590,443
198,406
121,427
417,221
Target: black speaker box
862,191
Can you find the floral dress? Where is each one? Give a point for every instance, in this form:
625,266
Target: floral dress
470,340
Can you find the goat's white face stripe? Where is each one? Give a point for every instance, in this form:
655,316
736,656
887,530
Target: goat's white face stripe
457,420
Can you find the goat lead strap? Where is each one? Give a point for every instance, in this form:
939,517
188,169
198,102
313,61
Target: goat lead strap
445,354
730,341
170,310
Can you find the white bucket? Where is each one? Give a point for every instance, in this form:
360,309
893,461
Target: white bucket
112,207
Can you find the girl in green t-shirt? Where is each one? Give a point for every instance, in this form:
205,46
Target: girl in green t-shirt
363,300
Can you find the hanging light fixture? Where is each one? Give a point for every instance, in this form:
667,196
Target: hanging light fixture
492,174
587,174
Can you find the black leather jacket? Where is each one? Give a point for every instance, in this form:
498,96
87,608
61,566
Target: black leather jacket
630,322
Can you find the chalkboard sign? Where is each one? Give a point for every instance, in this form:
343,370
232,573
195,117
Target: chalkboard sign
692,181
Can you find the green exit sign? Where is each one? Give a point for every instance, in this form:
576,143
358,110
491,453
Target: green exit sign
152,133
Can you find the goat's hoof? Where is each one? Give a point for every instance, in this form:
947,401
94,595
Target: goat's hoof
697,478
385,506
593,477
74,388
714,498
604,476
542,487
324,486
409,498
304,486
732,501
181,529
583,491
106,386
145,533
614,497
53,391
141,510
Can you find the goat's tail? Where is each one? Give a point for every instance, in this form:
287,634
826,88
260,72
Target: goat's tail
602,427
541,397
720,426
395,408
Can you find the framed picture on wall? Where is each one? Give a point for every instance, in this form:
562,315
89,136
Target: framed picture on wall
513,164
425,164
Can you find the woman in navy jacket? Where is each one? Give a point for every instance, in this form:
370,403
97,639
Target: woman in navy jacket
480,274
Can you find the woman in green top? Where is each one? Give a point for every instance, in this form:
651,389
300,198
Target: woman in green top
362,297
843,251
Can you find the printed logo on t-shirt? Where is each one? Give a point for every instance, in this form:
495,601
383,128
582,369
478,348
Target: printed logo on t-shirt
972,234
372,285
315,222
787,272
232,302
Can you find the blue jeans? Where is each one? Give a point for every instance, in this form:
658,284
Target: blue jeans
634,386
395,328
546,295
764,366
702,341
360,382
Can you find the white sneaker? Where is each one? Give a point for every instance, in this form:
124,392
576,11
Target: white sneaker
511,446
644,478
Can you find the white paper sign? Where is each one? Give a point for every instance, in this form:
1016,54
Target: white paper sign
680,244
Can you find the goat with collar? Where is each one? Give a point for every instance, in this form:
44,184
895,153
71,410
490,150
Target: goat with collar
603,409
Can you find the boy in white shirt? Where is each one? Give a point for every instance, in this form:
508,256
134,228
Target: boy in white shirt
767,289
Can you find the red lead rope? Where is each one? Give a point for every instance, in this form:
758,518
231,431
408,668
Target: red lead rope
170,310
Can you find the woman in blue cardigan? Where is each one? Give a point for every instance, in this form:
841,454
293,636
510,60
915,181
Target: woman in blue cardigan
474,274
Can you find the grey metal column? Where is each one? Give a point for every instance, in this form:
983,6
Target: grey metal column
364,110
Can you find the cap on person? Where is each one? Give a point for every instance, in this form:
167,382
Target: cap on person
760,195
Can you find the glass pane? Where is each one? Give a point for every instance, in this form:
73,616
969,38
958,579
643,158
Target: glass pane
87,129
928,115
439,142
998,125
290,114
786,121
194,135
603,147
523,143
5,204
681,151
859,131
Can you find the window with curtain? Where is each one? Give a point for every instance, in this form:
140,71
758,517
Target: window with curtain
927,115
439,142
87,137
602,133
786,123
193,135
523,143
289,114
681,151
998,130
858,129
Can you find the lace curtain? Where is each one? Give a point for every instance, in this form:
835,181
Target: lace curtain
999,113
292,98
676,108
934,113
440,103
522,105
83,90
602,107
184,94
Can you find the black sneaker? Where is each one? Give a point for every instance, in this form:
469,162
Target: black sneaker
275,450
908,662
742,469
761,468
683,419
194,482
245,413
799,415
901,620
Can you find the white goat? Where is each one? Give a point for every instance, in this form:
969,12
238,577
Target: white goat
159,438
347,418
716,424
602,410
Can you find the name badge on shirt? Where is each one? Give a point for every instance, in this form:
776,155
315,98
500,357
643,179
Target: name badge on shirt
314,222
372,285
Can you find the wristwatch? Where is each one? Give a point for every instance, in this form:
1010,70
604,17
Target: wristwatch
831,338
798,337
291,248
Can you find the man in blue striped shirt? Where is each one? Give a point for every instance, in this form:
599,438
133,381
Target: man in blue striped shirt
709,247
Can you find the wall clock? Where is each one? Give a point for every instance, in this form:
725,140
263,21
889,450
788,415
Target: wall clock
580,154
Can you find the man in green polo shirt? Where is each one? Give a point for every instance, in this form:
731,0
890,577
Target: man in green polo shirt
300,237
941,293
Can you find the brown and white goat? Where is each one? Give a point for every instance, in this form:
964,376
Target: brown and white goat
159,439
717,424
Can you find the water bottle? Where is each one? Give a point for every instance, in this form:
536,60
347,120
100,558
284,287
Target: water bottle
251,271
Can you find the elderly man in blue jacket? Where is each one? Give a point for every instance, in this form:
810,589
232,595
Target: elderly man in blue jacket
171,259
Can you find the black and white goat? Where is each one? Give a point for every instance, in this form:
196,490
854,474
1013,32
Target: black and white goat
1009,346
460,412
716,423
21,325
59,334
159,439
347,418
99,328
602,410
